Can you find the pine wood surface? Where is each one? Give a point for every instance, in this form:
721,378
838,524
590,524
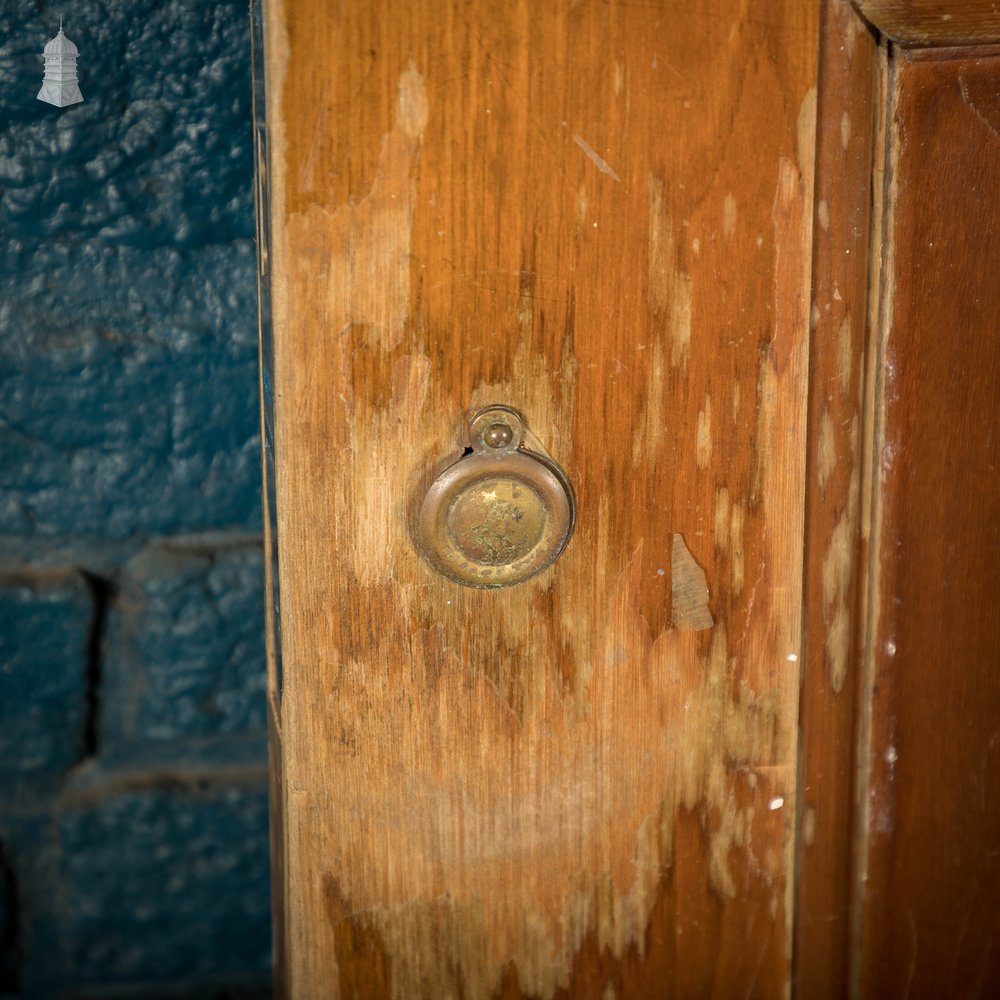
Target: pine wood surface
600,214
935,22
930,828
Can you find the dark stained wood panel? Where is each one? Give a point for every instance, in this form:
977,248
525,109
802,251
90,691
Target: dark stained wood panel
931,832
600,214
935,22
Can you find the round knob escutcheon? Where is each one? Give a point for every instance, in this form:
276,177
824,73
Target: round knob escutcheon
500,515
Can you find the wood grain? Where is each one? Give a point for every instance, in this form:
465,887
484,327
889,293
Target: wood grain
600,214
935,22
835,563
931,830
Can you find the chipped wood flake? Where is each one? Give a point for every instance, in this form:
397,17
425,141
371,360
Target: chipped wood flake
689,590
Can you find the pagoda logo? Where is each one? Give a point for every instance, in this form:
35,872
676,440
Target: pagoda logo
59,85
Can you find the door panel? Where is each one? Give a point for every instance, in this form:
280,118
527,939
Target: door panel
930,821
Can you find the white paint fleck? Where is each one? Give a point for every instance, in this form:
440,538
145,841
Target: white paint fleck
776,803
890,648
891,756
792,658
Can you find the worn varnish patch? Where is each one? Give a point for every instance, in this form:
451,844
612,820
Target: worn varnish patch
669,285
366,269
450,869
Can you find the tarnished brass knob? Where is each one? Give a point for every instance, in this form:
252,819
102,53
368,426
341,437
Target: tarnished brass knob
500,515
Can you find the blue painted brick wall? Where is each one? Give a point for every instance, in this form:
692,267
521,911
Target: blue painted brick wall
133,818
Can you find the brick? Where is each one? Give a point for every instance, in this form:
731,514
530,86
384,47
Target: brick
144,887
44,632
128,383
184,652
127,280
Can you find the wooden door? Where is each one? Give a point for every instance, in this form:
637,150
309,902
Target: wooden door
656,231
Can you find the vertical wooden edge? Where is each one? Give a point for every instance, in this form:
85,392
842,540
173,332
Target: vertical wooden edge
834,538
879,322
271,619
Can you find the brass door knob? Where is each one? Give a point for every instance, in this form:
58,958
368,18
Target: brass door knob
500,515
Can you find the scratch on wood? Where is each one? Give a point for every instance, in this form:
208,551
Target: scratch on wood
974,108
595,157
